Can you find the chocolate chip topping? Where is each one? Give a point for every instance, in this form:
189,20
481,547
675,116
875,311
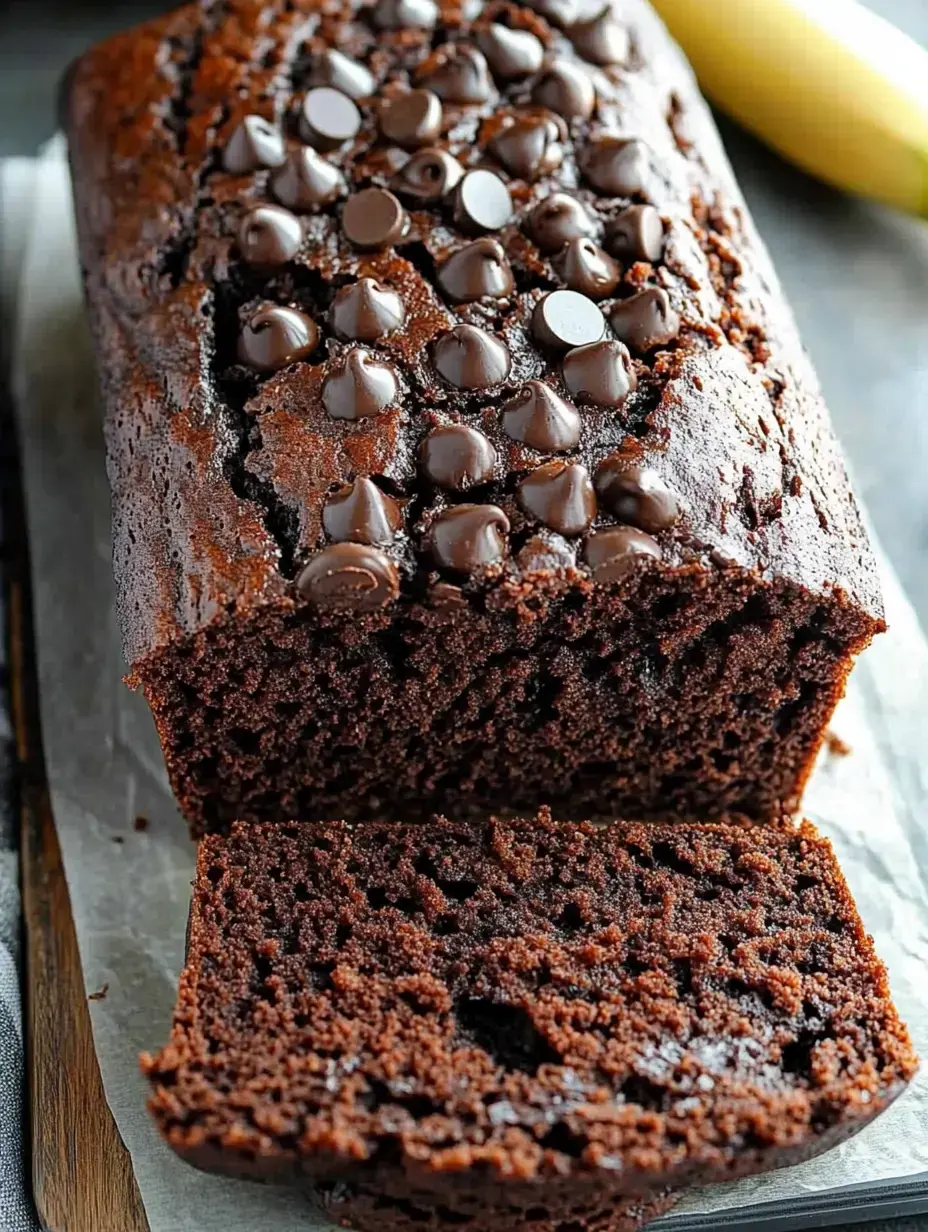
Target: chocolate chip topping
446,597
358,387
646,320
601,373
637,234
530,147
328,118
469,357
332,68
460,75
366,310
565,319
540,555
636,494
457,457
275,337
557,219
405,14
477,270
468,537
539,417
349,577
269,236
559,494
559,12
603,40
428,176
616,166
412,119
511,53
613,554
255,143
586,268
373,218
567,90
482,202
360,513
306,181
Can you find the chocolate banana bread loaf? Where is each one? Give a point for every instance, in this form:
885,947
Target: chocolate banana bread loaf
461,443
526,1024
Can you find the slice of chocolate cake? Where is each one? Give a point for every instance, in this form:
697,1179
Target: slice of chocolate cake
521,1024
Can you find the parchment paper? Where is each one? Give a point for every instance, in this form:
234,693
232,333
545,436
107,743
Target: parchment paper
130,888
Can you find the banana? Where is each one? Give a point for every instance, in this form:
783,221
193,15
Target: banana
828,83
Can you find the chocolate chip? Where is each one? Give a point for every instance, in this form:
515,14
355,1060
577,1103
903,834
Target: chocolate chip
586,268
360,513
603,40
306,181
542,555
428,176
328,118
411,119
405,14
530,147
275,337
565,319
560,495
366,310
541,419
349,577
457,457
373,218
559,12
567,90
637,234
511,53
332,68
601,373
646,320
616,166
445,597
613,554
477,270
359,387
255,143
557,219
636,494
460,75
482,202
269,236
468,537
470,358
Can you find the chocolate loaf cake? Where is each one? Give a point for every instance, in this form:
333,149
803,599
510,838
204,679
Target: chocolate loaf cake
461,443
524,1024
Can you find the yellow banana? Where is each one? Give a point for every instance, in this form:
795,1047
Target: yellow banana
829,84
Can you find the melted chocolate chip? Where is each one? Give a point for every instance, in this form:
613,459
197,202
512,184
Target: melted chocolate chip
359,387
542,555
601,41
511,53
275,337
405,14
567,90
254,144
269,236
460,75
428,176
566,319
477,270
482,202
542,419
613,554
646,320
636,494
373,218
366,310
560,495
411,119
556,220
332,68
601,373
586,268
469,357
616,166
637,234
457,457
530,147
468,537
328,118
306,181
360,513
349,577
